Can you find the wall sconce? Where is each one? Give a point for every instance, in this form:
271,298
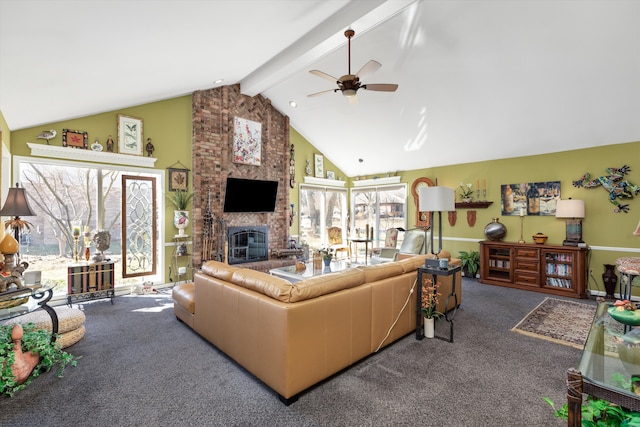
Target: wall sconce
573,210
292,215
436,199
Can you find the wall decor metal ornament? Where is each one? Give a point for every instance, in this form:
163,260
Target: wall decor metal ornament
129,135
614,183
530,198
75,139
247,142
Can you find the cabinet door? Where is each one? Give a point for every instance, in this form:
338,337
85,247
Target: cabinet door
559,267
498,263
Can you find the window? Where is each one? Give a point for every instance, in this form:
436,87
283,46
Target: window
381,207
60,192
321,208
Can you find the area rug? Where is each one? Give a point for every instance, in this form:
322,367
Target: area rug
561,321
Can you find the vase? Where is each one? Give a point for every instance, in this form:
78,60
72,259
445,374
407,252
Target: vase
610,280
466,200
495,230
180,221
327,262
429,327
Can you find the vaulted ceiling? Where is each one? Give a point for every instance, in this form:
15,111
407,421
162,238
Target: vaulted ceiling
478,80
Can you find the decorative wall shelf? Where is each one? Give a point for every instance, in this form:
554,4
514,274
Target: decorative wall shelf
473,205
66,153
376,181
324,181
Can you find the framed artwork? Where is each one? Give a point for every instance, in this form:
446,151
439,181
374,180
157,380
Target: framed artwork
530,198
129,135
331,175
247,142
318,161
178,179
75,139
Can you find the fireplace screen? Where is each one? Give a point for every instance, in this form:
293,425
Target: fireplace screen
248,244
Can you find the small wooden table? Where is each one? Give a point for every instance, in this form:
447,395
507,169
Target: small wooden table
366,247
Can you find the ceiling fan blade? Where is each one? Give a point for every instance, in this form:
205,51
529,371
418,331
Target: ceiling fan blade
323,75
321,93
369,68
380,87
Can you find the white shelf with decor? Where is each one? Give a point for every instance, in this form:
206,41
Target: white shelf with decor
87,155
180,259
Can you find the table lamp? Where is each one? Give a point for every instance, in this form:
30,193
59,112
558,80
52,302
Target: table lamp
17,205
573,210
436,199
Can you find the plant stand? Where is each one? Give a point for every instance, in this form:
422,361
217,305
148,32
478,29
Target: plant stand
448,315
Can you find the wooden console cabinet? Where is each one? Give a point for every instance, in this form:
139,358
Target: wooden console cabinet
559,270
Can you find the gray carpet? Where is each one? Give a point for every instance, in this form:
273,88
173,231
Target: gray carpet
141,367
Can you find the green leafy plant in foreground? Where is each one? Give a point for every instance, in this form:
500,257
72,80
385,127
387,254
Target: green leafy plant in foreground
470,262
34,340
600,413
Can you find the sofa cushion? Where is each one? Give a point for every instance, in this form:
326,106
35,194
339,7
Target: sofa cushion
266,284
413,242
219,270
410,264
183,294
377,272
326,284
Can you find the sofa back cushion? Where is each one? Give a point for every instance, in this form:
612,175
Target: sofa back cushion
326,284
373,273
219,270
413,242
266,284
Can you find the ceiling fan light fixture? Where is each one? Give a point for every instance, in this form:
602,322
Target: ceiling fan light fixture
349,93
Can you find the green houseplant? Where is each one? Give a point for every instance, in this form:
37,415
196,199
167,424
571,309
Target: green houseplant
180,199
470,262
36,341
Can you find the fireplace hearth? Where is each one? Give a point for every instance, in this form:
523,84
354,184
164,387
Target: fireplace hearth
248,244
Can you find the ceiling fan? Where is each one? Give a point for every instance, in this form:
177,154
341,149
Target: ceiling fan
349,84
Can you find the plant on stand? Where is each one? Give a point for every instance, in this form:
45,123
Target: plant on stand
430,296
180,200
327,256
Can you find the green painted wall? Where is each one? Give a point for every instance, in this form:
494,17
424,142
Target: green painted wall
167,123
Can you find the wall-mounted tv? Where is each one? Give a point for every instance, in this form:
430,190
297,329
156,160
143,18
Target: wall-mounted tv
250,195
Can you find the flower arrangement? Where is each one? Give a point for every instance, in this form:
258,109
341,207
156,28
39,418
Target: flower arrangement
466,190
430,296
327,253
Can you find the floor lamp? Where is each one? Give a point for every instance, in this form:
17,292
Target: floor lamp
573,210
436,199
17,205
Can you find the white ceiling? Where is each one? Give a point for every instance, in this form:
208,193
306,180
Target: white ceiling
478,80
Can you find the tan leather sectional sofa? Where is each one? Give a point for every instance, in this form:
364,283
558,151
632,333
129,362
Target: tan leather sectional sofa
294,335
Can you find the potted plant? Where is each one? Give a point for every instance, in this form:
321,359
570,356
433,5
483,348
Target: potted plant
327,256
466,192
470,263
599,412
430,296
36,341
180,200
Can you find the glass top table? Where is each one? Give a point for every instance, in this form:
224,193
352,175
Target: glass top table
611,357
26,300
292,275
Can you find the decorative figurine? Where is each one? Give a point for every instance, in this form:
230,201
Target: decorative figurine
110,144
613,183
47,134
149,147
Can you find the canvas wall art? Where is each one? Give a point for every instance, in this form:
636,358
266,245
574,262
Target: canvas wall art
247,142
530,198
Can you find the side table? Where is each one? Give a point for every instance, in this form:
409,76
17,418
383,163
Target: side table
448,315
41,294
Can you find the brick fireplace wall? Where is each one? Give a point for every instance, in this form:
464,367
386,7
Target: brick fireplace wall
213,112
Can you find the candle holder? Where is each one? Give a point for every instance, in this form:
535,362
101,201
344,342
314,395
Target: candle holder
484,195
478,194
521,241
75,229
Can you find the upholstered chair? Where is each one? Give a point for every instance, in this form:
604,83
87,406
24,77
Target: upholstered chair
413,243
336,243
390,240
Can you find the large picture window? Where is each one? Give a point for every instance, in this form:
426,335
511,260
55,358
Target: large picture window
382,208
59,193
321,208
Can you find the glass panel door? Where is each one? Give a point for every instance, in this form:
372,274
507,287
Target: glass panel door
139,227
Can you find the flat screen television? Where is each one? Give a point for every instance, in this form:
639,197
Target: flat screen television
250,195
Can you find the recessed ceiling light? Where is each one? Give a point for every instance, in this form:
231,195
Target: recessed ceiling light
217,82
293,104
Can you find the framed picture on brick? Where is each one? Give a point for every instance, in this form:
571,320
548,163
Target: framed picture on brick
247,142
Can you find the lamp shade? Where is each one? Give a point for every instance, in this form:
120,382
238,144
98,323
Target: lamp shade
570,208
436,199
16,203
